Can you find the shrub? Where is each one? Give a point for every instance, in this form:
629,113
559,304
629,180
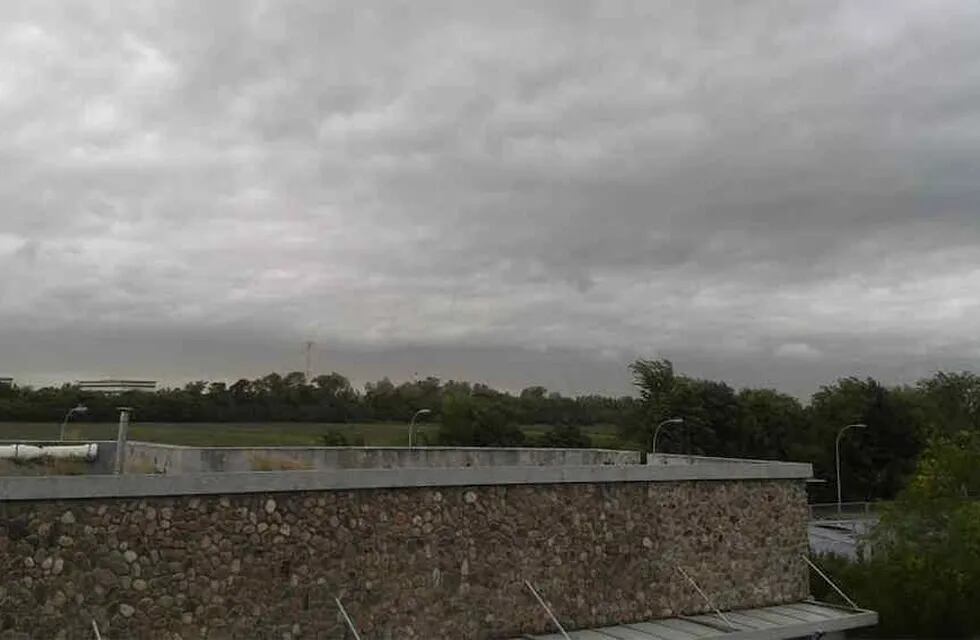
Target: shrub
333,438
469,420
923,574
564,436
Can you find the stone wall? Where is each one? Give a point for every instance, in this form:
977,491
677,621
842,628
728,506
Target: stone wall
147,457
428,563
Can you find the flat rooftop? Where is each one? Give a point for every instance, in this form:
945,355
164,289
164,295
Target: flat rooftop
132,485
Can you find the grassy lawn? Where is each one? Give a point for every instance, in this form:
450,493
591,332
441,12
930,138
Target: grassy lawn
259,434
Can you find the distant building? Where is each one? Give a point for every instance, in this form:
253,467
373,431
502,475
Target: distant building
112,385
6,382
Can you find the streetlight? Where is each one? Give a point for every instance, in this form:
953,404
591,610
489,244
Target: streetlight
64,423
411,426
857,425
663,424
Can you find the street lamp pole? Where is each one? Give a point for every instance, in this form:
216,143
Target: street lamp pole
857,425
411,426
64,423
656,432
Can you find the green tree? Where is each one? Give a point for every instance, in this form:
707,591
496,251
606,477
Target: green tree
333,438
923,573
877,461
951,402
709,410
565,436
654,379
710,413
471,420
771,425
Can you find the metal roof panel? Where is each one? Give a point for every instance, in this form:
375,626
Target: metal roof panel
691,627
776,618
780,622
624,632
660,630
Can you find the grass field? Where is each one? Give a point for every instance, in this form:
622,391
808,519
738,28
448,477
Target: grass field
260,434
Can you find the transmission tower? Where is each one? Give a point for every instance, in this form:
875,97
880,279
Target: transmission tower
309,359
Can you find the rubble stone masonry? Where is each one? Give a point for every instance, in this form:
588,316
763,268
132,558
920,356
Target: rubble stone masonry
427,563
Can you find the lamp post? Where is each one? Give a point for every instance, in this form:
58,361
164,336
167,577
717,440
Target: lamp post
857,425
64,423
411,426
656,432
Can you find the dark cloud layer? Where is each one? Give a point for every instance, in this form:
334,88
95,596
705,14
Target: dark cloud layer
776,192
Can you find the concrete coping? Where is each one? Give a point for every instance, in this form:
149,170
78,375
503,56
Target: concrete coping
367,448
130,486
683,458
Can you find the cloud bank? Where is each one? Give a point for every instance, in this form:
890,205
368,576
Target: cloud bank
776,193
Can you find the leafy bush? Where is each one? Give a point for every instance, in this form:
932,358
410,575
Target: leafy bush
469,420
565,436
921,571
333,438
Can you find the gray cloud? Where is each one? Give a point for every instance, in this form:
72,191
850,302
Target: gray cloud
777,193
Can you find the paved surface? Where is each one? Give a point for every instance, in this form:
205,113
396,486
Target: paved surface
841,537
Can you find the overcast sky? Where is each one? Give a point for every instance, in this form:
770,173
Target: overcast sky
772,193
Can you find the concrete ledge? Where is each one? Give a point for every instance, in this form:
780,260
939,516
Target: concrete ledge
382,448
75,487
685,459
147,457
154,458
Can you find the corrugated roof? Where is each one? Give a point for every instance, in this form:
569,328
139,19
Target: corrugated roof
800,619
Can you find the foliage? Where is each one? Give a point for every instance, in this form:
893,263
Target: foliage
876,461
564,436
951,403
334,438
473,420
290,398
770,425
719,420
923,571
762,423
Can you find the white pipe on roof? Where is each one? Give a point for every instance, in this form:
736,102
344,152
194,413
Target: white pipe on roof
88,452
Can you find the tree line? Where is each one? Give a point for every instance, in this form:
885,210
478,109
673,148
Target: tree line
718,419
324,398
